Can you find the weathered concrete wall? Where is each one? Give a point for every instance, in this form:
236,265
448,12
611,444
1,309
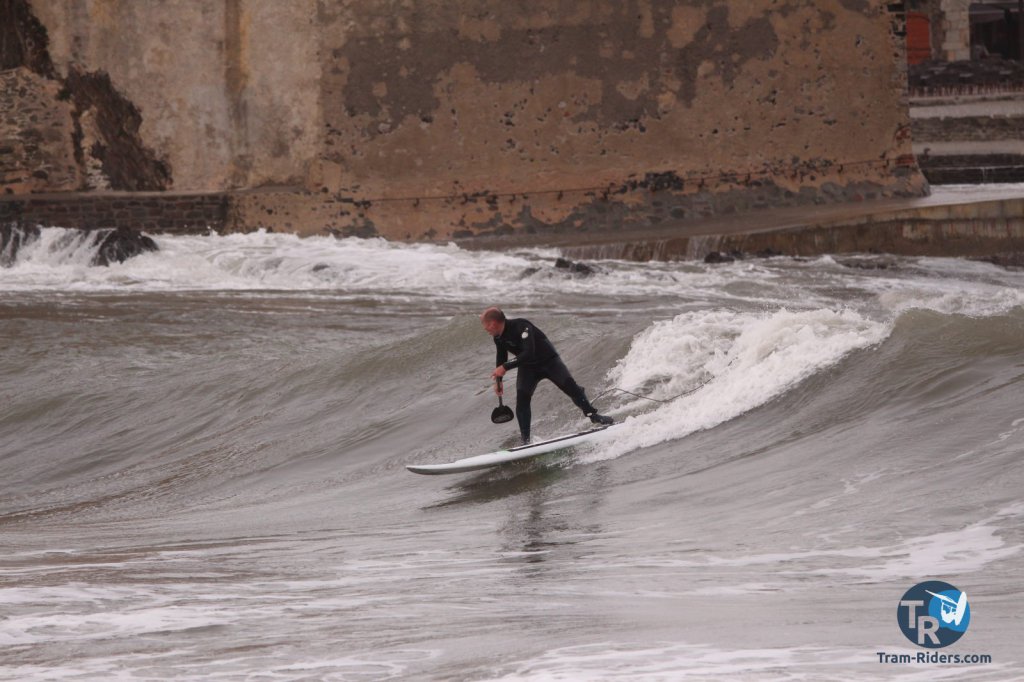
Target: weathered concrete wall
434,119
606,91
228,90
499,118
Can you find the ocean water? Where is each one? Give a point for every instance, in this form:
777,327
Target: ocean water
202,465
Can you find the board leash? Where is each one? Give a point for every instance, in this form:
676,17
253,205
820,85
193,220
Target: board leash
662,400
654,400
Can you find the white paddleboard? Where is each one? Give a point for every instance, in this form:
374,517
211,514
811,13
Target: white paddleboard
517,454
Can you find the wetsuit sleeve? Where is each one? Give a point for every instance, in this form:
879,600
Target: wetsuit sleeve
502,354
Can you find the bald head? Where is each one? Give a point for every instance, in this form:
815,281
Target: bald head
493,314
493,320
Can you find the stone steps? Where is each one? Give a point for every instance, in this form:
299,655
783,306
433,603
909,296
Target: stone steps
969,140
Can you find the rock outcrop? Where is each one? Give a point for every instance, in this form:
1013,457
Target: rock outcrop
120,245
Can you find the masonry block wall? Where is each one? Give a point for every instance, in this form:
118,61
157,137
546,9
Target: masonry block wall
153,213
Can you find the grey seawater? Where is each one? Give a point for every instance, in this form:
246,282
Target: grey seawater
208,482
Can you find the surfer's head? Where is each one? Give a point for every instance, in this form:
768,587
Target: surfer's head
493,321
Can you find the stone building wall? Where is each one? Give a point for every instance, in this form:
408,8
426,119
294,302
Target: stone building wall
432,119
478,117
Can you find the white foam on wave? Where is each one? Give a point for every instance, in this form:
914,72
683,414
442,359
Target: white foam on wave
258,261
953,297
951,286
262,261
973,548
746,359
665,661
674,660
69,252
104,624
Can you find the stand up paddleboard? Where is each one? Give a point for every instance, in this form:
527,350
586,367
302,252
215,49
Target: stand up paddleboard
523,452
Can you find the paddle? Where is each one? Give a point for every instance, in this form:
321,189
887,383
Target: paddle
502,413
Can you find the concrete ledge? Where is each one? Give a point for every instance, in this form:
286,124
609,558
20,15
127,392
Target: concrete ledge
978,229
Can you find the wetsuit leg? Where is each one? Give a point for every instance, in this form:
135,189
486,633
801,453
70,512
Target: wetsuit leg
558,373
527,379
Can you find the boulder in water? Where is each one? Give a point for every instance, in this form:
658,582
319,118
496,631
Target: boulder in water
120,245
719,257
575,267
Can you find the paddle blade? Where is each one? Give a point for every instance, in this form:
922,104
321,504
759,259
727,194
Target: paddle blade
502,414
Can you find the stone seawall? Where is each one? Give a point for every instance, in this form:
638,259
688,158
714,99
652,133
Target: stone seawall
147,212
986,229
973,222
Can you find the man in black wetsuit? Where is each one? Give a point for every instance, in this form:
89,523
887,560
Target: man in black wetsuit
535,359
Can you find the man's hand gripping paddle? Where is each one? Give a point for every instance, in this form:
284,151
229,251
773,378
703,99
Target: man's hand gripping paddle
502,413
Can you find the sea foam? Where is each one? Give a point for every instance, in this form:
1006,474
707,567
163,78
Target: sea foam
735,361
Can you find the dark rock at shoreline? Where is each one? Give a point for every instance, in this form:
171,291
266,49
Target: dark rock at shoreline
575,267
119,245
873,263
528,272
735,255
566,266
720,257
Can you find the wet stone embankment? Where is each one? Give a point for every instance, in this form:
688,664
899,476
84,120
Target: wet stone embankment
985,222
947,224
146,211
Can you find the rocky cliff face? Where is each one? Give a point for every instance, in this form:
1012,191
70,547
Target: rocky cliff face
36,150
67,128
433,119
